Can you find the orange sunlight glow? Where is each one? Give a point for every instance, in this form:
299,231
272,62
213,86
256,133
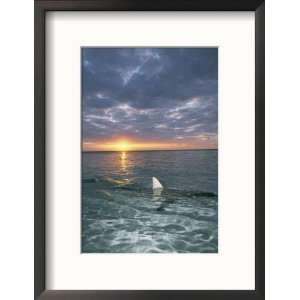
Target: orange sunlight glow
127,144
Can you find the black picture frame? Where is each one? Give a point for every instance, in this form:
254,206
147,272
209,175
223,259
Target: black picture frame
41,7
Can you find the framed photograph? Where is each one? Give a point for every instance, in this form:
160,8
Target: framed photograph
149,150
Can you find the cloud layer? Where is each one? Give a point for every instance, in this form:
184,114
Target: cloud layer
150,94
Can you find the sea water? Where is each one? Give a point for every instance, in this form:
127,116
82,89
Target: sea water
121,213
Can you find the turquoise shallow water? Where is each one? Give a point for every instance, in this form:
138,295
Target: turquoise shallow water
122,214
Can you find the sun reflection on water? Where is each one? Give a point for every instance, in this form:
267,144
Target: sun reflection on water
124,161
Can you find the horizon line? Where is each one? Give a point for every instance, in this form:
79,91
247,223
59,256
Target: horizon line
147,150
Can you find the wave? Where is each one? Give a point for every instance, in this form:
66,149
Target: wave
133,185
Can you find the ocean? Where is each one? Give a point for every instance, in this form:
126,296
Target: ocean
121,213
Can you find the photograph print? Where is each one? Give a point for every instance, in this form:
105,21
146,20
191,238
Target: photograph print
149,148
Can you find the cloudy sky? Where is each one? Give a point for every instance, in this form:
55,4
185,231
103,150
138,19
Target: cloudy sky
149,98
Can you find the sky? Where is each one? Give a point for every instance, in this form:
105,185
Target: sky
149,98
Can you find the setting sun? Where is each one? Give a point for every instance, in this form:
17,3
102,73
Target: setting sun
122,146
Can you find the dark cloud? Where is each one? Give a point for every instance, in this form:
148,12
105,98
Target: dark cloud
154,93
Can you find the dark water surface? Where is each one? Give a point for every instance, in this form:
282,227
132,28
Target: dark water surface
122,214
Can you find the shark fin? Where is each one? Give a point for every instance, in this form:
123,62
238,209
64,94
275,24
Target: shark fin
156,184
